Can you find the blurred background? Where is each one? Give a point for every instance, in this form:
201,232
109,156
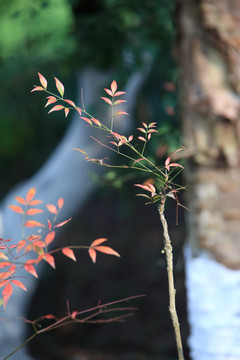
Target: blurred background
60,38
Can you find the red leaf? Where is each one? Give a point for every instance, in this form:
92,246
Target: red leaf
106,250
51,208
120,113
109,92
96,121
60,203
59,86
141,138
43,81
39,244
66,111
87,120
50,237
49,225
16,208
35,202
142,130
119,93
20,200
49,316
98,242
113,87
63,223
79,110
33,211
51,100
56,108
29,267
37,88
69,253
31,193
6,293
119,102
4,264
50,260
32,223
92,254
107,100
19,284
70,102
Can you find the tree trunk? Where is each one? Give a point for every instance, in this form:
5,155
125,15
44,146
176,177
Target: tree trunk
209,57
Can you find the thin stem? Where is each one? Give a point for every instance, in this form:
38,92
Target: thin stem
19,347
172,292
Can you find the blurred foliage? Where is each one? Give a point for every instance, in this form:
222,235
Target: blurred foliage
56,37
122,31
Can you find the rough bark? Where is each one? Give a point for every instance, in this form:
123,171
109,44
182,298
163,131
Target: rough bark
209,56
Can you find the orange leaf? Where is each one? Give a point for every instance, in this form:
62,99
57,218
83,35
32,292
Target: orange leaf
30,194
49,316
20,200
79,110
29,267
35,202
96,121
119,102
70,102
113,87
109,92
19,284
92,254
43,81
37,88
141,138
69,253
66,112
16,208
59,86
98,242
4,264
120,113
33,211
50,260
51,100
60,203
107,100
32,223
6,293
50,237
119,93
3,256
56,108
39,243
87,120
63,223
51,208
106,250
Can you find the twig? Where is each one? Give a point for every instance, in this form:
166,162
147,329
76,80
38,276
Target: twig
172,292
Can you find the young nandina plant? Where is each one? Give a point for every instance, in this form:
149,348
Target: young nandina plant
161,183
12,259
12,256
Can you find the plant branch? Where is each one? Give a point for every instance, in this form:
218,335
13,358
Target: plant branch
172,292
